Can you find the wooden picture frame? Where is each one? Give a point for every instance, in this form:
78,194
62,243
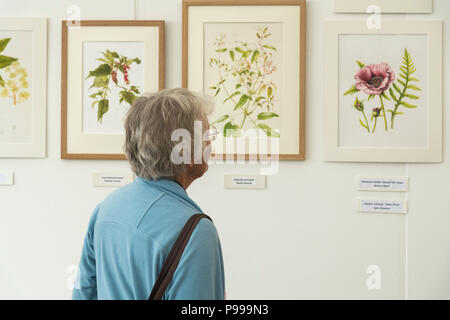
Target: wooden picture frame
146,37
292,12
407,104
23,87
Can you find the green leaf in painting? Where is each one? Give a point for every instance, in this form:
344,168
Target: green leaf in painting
6,61
414,87
221,119
391,93
108,55
270,47
4,43
362,123
227,129
231,96
230,129
352,90
2,82
101,70
407,105
246,53
134,89
394,113
385,96
129,97
103,106
267,115
268,130
137,60
269,92
94,103
242,101
397,88
231,52
240,50
255,55
100,82
403,76
360,64
411,96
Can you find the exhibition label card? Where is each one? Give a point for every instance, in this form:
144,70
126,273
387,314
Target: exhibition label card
245,182
383,206
112,179
382,183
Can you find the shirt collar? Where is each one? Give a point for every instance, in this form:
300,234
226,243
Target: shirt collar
172,187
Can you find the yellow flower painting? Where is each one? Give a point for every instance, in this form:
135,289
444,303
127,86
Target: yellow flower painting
15,84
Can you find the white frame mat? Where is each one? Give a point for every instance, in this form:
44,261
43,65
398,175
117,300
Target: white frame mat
432,153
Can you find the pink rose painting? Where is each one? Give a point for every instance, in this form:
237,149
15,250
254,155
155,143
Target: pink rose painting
379,80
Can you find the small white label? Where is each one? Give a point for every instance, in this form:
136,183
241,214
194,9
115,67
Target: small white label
245,182
6,178
112,179
383,183
383,206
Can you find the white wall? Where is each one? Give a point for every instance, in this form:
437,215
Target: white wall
299,238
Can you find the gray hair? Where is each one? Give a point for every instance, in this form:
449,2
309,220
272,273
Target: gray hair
149,125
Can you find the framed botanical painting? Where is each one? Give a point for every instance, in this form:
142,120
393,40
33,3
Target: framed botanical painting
383,98
23,87
249,56
106,65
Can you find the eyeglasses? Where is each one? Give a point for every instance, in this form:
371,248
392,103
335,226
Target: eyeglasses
211,134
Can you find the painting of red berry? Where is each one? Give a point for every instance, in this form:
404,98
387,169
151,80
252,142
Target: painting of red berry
112,71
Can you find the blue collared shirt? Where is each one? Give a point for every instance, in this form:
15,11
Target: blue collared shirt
129,237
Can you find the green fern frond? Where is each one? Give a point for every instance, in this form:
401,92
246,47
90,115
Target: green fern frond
407,68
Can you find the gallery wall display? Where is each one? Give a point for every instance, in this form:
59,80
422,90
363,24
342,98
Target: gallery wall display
23,87
249,56
383,6
383,98
106,65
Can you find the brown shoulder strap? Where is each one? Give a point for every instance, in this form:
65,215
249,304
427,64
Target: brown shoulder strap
174,256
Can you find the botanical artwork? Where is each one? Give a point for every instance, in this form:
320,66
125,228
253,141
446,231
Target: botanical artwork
15,87
113,81
106,74
243,69
383,91
377,81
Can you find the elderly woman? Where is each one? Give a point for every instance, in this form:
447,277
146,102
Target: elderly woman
131,232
